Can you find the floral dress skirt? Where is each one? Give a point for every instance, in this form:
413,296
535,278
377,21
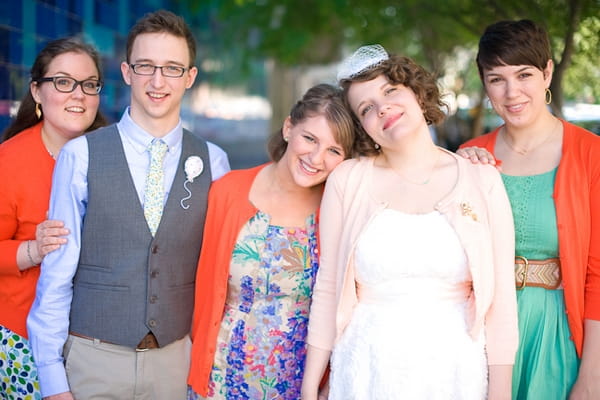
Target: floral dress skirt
18,374
261,345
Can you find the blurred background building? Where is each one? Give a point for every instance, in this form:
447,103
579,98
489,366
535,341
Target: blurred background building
236,121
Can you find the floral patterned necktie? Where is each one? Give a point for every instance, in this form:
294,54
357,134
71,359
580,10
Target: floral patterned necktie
154,194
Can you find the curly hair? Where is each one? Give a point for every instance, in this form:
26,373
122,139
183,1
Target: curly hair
519,42
399,70
325,100
26,114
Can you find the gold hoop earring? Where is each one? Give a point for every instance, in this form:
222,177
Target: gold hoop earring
38,110
548,95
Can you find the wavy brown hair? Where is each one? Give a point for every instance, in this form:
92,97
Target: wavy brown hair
325,100
399,70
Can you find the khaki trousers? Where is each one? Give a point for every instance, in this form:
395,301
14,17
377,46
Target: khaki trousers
97,370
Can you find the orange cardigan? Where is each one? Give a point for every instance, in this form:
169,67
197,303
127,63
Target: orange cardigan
25,179
577,199
228,210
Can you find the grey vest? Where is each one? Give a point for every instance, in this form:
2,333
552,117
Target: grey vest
127,282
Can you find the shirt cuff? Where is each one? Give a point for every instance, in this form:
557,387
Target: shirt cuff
53,379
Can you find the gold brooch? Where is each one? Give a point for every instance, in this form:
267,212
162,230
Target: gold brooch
468,210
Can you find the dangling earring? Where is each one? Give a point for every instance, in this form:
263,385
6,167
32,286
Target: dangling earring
548,96
38,110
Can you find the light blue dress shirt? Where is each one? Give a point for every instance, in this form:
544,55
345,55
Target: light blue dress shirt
48,320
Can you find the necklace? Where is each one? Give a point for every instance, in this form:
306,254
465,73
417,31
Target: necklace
429,175
523,152
46,142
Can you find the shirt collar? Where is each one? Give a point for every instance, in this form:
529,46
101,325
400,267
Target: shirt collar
141,139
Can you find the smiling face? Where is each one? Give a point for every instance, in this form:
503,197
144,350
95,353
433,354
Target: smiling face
156,99
67,115
312,151
517,92
386,112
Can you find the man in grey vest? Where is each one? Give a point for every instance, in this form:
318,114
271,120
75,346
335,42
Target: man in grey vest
118,297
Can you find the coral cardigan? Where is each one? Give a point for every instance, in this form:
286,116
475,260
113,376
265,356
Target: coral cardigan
228,210
577,201
25,179
484,227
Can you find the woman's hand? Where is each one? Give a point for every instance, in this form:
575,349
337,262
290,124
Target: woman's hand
477,155
587,385
49,236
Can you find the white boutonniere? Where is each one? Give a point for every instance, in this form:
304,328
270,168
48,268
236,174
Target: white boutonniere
193,167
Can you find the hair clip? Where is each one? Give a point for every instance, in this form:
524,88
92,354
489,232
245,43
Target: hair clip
364,58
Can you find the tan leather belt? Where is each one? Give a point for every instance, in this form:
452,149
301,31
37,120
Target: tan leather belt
537,273
148,342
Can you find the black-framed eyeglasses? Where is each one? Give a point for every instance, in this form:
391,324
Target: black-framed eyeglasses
170,71
66,84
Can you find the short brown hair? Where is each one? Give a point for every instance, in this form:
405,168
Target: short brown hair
513,43
325,100
162,21
399,70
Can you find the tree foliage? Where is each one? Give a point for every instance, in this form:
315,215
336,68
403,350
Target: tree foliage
307,32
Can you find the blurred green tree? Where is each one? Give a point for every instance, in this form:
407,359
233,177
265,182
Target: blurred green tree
294,34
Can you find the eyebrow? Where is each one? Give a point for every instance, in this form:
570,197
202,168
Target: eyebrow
63,73
526,67
337,146
380,88
149,61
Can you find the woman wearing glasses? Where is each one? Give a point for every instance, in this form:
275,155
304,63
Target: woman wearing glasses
62,103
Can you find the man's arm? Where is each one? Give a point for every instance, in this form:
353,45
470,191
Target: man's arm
219,162
48,320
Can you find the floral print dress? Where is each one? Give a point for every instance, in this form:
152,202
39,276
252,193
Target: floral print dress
261,344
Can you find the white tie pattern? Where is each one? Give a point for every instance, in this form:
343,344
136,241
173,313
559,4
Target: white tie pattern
154,194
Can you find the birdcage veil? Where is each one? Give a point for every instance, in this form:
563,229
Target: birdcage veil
362,59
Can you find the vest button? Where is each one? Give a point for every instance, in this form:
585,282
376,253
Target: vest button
154,273
153,299
152,323
154,249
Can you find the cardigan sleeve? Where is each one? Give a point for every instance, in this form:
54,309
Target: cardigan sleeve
501,327
211,287
228,209
322,321
8,225
592,285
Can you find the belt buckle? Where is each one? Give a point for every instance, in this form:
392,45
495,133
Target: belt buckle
524,273
137,350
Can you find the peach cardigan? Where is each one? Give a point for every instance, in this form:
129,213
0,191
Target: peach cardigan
477,208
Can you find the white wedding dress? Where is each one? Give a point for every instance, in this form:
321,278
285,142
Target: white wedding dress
408,335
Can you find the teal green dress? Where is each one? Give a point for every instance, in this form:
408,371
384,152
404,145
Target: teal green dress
546,364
